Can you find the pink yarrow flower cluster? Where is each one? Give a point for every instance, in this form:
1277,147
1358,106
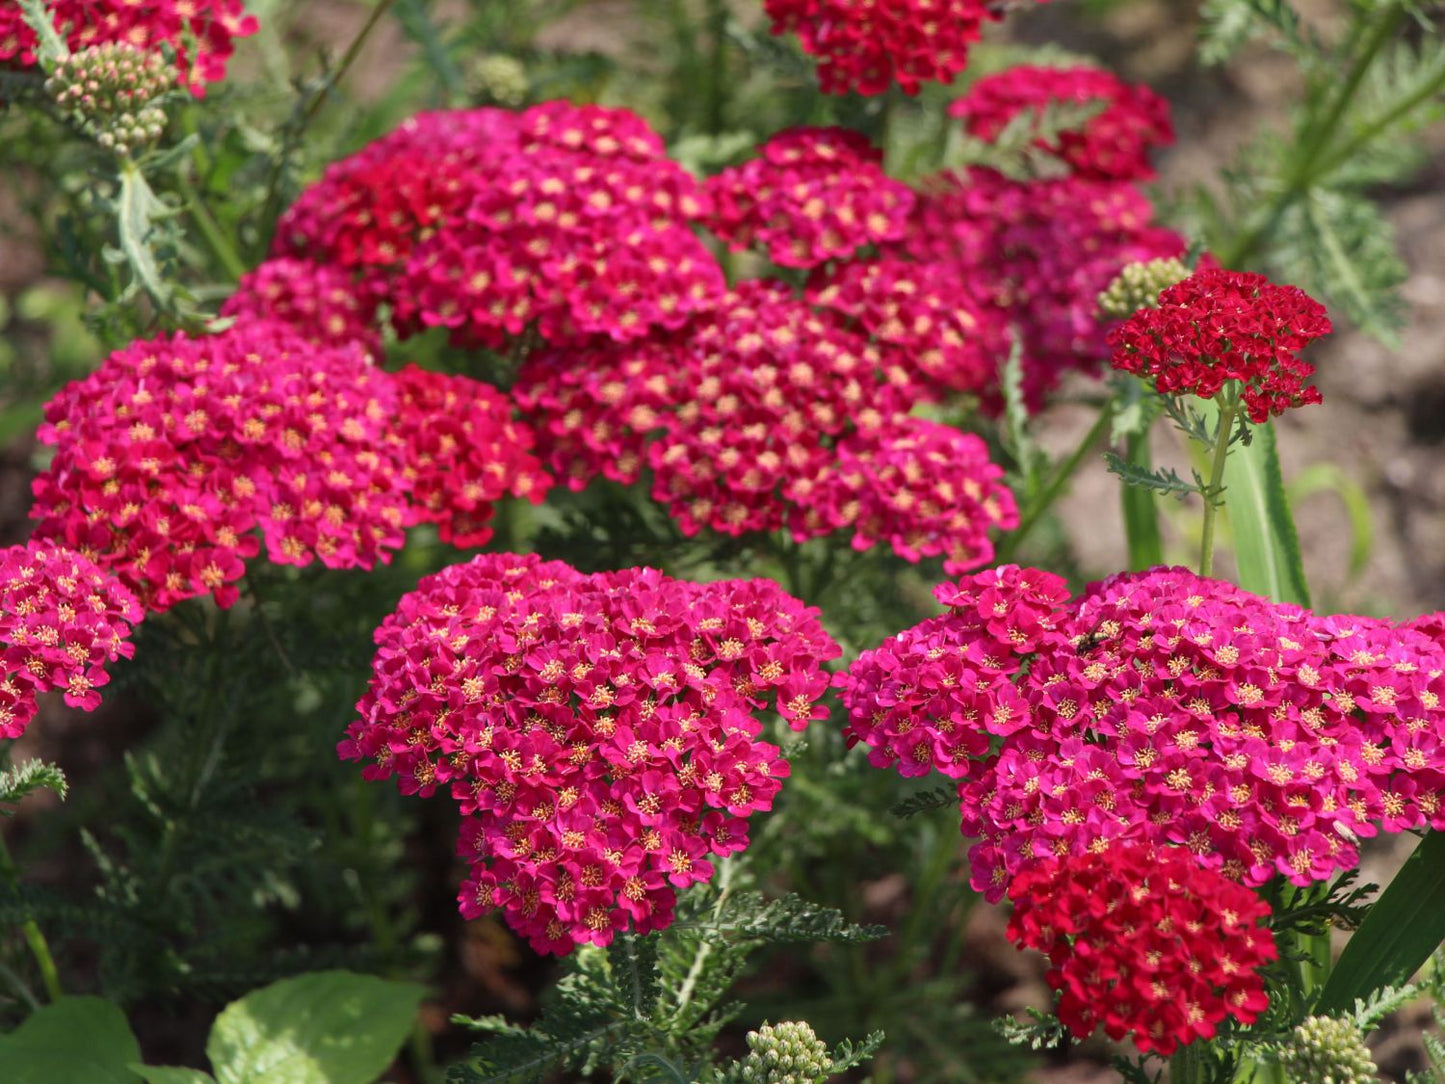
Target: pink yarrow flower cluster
181,458
812,195
867,47
62,621
599,733
765,415
1113,144
1217,326
319,301
1037,253
1159,707
1146,943
567,221
202,32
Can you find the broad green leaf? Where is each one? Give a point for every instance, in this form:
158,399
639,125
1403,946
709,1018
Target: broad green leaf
166,1074
74,1039
1404,927
1266,547
1141,515
328,1027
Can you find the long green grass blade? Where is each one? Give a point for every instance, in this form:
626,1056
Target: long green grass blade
1266,546
1403,928
1141,515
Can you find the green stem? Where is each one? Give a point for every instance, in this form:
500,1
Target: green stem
1055,486
715,118
1187,1065
1315,142
215,237
39,947
1213,495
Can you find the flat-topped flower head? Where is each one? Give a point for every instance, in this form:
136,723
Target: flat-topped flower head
62,621
178,452
599,732
1145,943
1167,708
812,195
463,452
867,47
1219,326
202,32
1113,144
108,91
564,221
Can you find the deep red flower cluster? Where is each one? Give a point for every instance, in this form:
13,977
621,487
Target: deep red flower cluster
177,451
567,220
463,453
1217,326
1146,943
202,32
62,620
1039,252
1112,145
770,414
812,195
317,300
926,317
867,47
1162,707
599,732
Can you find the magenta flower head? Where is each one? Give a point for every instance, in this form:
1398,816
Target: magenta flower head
867,47
812,195
1217,326
1112,145
202,32
1145,942
177,452
1159,707
62,620
600,733
320,301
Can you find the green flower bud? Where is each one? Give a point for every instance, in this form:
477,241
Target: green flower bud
1138,287
106,91
499,80
1328,1050
787,1053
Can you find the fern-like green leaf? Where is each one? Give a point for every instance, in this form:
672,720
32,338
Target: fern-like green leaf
1160,480
751,916
933,798
28,777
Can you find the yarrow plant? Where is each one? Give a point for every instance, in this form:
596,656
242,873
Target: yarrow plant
598,732
626,444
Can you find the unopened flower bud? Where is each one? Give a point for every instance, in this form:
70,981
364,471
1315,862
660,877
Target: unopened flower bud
1138,286
1328,1050
787,1053
107,92
499,80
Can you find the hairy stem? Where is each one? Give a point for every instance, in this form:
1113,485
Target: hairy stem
1213,495
34,937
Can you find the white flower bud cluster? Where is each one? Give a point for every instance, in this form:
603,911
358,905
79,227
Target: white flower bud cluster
1138,286
499,80
108,91
1327,1050
786,1053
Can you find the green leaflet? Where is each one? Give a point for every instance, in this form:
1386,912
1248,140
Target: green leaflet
1405,925
1266,546
1141,516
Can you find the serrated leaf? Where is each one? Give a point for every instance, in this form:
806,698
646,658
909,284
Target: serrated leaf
327,1027
50,47
1156,480
934,798
1226,25
28,777
633,959
137,207
1404,927
44,1049
1266,546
